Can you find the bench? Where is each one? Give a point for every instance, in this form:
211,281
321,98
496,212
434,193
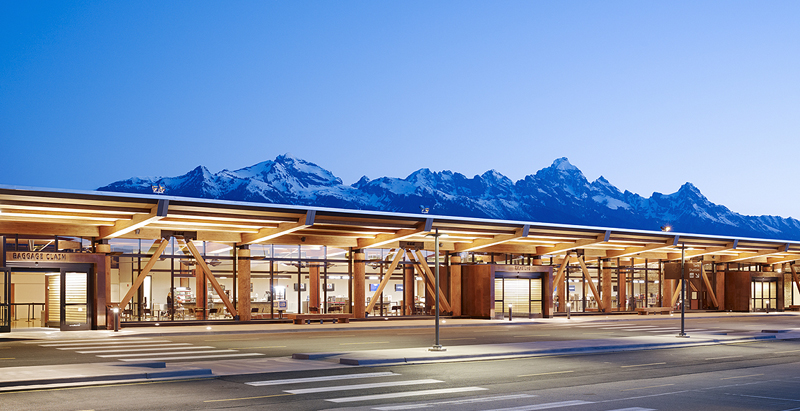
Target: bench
654,310
793,308
307,318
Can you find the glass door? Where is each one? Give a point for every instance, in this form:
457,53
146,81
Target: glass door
5,301
75,309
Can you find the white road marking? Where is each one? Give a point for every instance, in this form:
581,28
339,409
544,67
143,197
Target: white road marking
634,409
545,406
362,386
405,394
318,379
104,343
114,347
171,353
475,400
88,340
145,349
196,357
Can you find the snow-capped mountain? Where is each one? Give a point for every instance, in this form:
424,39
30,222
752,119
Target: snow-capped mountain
556,194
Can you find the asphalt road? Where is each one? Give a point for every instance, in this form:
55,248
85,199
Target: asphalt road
752,376
307,340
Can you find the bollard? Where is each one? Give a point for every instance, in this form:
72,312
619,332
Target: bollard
569,306
767,306
510,314
116,318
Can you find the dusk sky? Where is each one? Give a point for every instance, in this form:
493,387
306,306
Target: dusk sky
649,94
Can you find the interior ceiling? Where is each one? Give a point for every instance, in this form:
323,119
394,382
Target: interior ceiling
112,215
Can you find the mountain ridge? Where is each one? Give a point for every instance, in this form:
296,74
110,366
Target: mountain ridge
559,193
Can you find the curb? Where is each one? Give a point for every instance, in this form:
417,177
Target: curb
533,352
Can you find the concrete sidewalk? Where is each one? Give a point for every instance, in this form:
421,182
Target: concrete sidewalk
42,377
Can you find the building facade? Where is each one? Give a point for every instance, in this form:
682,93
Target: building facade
70,260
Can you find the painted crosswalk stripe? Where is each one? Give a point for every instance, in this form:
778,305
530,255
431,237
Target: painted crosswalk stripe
88,340
405,394
182,347
171,353
194,357
603,325
629,327
115,347
319,379
362,386
104,343
474,400
545,406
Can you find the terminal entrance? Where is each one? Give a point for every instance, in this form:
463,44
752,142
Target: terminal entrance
523,295
45,297
764,294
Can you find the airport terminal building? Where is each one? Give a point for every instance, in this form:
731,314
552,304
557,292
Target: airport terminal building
75,260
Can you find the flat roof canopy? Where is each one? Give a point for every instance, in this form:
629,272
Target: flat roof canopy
106,215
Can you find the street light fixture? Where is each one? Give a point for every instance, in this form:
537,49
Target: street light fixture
436,345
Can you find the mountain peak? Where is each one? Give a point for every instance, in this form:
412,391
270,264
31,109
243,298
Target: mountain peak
563,164
559,193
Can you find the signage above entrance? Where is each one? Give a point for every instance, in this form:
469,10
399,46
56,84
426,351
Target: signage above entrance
38,257
511,268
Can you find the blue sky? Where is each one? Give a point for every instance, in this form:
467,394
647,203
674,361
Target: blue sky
649,94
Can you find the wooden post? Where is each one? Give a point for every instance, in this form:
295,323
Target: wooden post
588,278
455,285
313,288
669,292
359,282
606,294
720,286
243,278
200,294
622,289
409,286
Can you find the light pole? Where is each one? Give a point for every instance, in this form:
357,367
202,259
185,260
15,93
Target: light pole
436,345
683,291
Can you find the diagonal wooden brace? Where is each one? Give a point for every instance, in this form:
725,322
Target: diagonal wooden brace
145,271
210,277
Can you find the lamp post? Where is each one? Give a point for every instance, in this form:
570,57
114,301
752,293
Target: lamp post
436,345
683,291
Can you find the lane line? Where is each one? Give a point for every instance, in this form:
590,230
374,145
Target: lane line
763,397
723,358
532,335
545,373
475,400
332,336
458,339
319,379
634,409
362,386
642,365
785,352
195,357
742,376
545,406
405,394
644,388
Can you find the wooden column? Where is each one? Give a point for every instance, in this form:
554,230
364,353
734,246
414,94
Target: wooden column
607,289
313,288
562,286
409,286
243,278
719,286
200,294
622,290
455,285
359,284
669,290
